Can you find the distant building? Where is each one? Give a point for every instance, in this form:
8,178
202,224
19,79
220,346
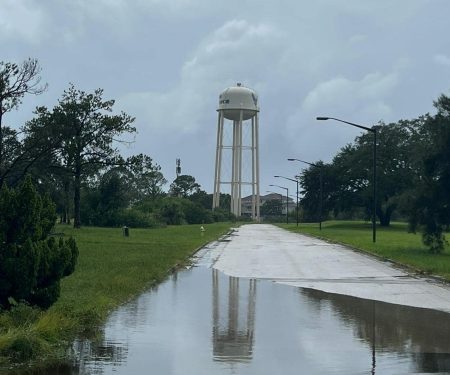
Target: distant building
247,203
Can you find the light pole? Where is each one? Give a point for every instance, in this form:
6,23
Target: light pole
296,181
374,182
281,199
320,186
287,197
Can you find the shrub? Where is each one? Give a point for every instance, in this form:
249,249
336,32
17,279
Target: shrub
31,263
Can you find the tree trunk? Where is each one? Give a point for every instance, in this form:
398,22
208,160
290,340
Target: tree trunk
385,217
76,197
66,205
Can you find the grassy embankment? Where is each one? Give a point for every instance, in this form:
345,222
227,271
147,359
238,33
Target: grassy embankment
393,242
111,269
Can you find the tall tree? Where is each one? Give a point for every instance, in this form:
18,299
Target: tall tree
184,186
87,134
430,199
15,82
347,182
144,177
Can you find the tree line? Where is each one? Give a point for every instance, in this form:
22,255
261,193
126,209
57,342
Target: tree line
71,152
65,164
413,176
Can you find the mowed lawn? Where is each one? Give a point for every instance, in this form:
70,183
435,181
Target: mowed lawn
111,269
393,242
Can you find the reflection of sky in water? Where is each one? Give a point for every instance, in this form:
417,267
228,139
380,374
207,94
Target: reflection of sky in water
202,322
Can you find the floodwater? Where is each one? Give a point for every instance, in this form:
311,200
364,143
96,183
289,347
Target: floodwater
200,321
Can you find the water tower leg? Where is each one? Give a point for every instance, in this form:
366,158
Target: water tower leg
219,151
257,165
239,195
216,193
234,169
253,171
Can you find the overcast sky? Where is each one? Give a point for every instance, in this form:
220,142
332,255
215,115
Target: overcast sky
166,62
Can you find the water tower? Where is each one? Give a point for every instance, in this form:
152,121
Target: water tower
238,104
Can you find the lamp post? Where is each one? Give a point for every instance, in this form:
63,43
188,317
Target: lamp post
296,181
287,197
374,182
281,198
320,186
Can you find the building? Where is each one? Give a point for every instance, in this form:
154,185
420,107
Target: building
247,203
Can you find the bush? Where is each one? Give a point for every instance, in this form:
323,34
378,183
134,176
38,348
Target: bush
221,214
117,218
31,263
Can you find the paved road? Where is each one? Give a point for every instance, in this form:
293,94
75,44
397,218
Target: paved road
265,251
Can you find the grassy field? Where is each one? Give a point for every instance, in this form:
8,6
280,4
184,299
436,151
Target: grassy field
111,269
393,243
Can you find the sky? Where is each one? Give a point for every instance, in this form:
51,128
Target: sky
165,62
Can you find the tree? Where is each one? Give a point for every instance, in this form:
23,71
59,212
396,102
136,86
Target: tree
31,262
347,181
86,132
144,177
430,200
15,81
184,186
202,198
272,207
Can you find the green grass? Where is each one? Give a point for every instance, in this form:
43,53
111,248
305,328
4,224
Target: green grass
111,269
393,242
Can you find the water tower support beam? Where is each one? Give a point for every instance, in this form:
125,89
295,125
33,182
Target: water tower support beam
233,169
253,171
257,165
239,202
219,150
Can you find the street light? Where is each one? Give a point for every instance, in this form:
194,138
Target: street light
374,182
281,198
296,181
287,197
320,187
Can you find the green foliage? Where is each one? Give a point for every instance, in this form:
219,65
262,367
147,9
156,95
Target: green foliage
223,214
429,204
15,82
272,207
413,176
143,177
195,213
20,315
85,129
171,211
31,263
184,186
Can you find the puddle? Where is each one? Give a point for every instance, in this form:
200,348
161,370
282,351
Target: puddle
200,321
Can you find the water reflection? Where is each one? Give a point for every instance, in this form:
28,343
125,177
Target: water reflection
96,352
233,319
422,334
200,321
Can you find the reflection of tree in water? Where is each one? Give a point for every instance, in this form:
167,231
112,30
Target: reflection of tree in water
90,353
403,329
233,322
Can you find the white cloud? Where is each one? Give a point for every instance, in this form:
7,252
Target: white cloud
345,95
442,60
21,19
229,54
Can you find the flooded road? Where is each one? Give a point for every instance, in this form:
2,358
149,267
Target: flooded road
200,321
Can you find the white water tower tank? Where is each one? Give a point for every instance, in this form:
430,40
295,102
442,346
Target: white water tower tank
238,104
237,98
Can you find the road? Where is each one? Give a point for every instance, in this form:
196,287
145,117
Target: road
264,251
